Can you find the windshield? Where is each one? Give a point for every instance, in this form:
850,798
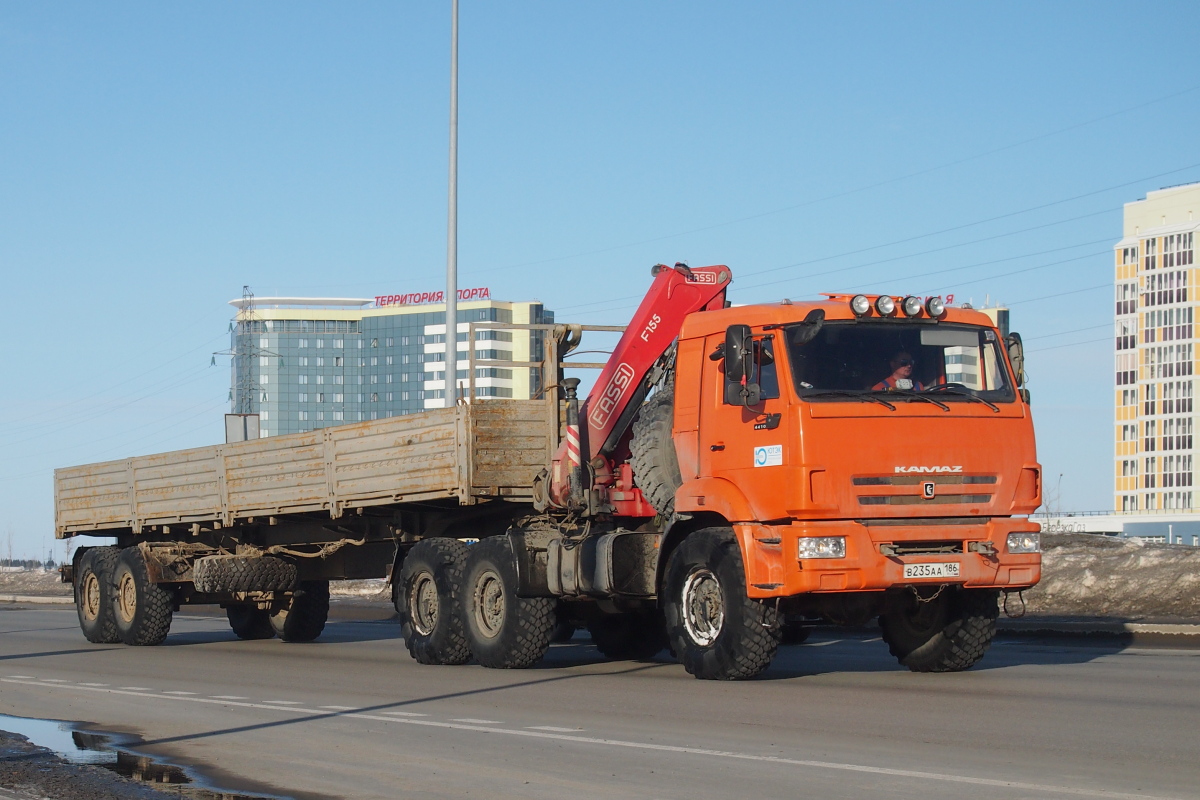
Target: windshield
949,361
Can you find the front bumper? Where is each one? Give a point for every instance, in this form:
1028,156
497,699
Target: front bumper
773,568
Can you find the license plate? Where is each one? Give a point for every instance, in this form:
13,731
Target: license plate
946,570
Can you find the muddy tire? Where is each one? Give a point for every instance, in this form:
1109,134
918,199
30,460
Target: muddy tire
428,602
503,631
142,610
634,636
94,595
716,631
303,618
652,452
250,622
217,574
947,634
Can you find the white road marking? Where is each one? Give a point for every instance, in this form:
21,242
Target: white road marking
135,688
397,713
821,644
283,702
554,729
471,721
23,677
53,680
1016,786
331,708
93,684
876,639
229,697
181,694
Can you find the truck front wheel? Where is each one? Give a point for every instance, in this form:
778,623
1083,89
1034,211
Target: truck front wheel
94,595
427,601
947,632
715,629
503,631
303,617
141,609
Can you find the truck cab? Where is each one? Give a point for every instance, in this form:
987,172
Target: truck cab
853,450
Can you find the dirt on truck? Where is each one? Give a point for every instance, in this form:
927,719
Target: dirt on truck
735,474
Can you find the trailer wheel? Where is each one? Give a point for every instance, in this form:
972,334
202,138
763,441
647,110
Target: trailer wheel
303,617
141,608
948,632
428,602
503,631
250,622
217,574
636,635
652,452
94,595
717,632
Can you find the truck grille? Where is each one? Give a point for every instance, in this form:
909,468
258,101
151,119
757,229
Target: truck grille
917,480
916,499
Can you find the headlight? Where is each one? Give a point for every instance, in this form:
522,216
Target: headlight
911,306
822,547
934,307
1024,543
860,305
885,305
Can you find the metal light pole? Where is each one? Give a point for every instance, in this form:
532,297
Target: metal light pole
451,381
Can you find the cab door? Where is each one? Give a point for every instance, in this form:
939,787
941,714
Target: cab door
748,446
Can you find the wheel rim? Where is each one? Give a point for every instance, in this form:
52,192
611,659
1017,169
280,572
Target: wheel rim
127,597
703,607
90,596
489,604
423,604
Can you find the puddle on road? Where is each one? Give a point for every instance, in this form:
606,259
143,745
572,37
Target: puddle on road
111,751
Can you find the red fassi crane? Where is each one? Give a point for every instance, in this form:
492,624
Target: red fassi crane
593,450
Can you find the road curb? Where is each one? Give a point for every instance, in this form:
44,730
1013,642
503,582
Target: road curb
29,598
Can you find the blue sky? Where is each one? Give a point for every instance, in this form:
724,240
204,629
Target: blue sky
156,157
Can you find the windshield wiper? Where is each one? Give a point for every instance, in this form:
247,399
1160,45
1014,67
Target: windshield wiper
944,389
907,393
855,395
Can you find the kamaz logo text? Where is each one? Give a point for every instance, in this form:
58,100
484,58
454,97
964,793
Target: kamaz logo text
607,402
904,470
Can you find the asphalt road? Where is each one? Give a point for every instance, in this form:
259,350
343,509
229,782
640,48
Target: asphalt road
353,716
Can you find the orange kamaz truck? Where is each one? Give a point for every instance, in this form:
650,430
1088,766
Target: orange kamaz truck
736,475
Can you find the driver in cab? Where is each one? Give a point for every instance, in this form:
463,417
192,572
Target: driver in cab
901,378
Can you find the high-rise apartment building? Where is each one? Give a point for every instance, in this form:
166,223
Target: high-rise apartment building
306,363
1156,355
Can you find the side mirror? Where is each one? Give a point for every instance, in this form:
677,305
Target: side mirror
808,330
1016,356
739,367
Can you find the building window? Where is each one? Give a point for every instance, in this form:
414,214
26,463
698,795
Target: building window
389,397
263,342
389,379
337,361
374,343
338,344
320,361
302,343
302,361
337,416
320,343
320,397
374,379
320,379
361,344
320,416
338,379
338,398
374,397
390,341
374,361
302,416
264,415
388,361
304,397
303,379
